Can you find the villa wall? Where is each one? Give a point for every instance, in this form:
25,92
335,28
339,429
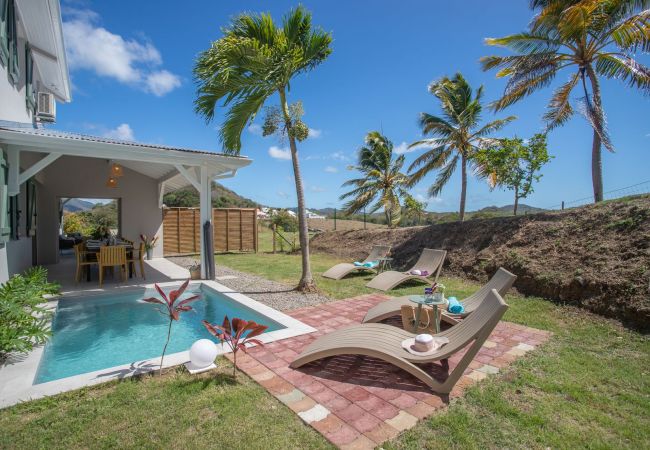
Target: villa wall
13,106
72,176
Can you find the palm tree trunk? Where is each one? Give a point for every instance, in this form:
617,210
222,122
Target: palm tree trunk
463,190
306,283
596,152
516,200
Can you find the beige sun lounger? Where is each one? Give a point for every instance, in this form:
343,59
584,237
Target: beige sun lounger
384,342
430,260
502,281
340,270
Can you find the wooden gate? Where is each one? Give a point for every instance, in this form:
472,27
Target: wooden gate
235,230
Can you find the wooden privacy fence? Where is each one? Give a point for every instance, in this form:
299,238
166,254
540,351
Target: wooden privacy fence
235,230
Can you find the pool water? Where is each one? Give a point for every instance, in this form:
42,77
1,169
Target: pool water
104,331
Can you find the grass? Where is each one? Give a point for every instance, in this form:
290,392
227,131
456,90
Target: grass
589,387
176,410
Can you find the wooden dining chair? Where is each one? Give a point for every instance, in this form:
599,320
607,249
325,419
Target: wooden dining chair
111,256
83,262
138,258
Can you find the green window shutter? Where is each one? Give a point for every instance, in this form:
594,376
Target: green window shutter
12,34
5,230
29,80
4,44
30,219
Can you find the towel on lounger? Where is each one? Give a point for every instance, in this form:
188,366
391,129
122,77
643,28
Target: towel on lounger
455,307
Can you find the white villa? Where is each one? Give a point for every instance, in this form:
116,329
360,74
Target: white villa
40,166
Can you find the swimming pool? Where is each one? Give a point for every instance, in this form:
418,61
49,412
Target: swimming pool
107,330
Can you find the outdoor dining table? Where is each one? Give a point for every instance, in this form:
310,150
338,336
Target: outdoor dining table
94,246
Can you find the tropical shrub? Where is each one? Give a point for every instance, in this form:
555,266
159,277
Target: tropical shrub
237,335
284,221
24,320
171,309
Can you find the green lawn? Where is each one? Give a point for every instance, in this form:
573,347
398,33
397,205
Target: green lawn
589,386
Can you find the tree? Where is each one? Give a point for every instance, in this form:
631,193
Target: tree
592,38
514,164
382,180
414,209
455,135
254,60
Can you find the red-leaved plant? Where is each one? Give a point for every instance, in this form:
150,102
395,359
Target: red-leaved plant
174,309
234,335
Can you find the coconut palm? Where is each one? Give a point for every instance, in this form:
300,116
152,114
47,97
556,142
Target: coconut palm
382,181
455,136
589,38
254,60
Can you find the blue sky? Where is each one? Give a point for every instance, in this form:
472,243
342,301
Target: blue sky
131,68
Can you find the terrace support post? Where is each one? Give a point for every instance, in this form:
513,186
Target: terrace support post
205,194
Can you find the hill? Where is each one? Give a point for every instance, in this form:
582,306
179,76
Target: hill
596,256
222,197
77,204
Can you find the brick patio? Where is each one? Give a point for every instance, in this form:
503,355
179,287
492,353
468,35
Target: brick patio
359,402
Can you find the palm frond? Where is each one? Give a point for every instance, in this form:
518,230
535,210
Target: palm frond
625,69
526,42
443,177
493,126
633,33
559,108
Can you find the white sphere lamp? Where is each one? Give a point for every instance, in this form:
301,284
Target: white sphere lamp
202,355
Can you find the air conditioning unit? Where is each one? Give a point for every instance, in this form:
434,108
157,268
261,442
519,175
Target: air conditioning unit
46,107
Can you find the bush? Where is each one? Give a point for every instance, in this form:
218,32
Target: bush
285,221
24,321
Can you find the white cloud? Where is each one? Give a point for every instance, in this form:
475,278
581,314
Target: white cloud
316,189
280,153
314,133
162,82
129,61
122,131
255,129
339,156
331,169
404,148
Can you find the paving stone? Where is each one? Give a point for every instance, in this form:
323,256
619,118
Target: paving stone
421,410
402,421
516,352
382,433
525,347
489,344
360,443
291,397
476,375
314,414
329,424
343,435
403,401
302,405
262,376
488,369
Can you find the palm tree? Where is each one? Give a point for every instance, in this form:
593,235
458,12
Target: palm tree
591,39
381,181
455,136
254,60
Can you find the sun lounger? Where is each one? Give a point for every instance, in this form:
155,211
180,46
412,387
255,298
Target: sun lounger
340,270
384,342
502,281
430,261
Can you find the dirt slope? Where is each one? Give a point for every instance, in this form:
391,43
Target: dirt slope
596,256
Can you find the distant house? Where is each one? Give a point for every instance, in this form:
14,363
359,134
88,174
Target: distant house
41,166
313,215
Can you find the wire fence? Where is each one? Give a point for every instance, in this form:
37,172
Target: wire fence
634,189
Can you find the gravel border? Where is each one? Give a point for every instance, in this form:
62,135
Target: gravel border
272,293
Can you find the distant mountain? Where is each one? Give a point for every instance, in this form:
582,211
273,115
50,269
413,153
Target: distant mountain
521,209
222,197
77,204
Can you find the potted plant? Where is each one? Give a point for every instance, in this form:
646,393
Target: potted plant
149,244
195,271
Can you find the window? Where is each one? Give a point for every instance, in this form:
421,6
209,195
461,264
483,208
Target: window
4,44
14,217
12,41
29,80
